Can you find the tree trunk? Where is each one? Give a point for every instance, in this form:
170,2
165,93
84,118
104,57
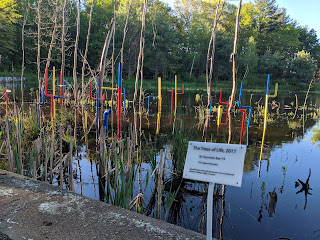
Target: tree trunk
233,57
84,59
38,47
23,54
75,56
63,54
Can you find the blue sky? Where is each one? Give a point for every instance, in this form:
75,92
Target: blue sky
306,12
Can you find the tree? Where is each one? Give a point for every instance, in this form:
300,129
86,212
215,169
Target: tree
8,18
268,20
273,64
302,68
309,42
248,59
161,54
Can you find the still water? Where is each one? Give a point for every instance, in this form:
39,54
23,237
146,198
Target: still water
280,195
279,198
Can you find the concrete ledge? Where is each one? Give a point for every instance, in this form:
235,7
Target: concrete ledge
35,210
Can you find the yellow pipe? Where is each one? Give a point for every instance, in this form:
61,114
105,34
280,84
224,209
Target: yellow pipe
264,124
275,92
85,120
159,105
85,126
175,102
109,88
219,115
54,92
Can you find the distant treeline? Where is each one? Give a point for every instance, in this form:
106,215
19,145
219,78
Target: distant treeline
176,40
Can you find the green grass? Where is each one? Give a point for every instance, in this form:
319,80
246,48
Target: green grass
256,84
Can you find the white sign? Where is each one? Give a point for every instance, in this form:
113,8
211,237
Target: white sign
215,162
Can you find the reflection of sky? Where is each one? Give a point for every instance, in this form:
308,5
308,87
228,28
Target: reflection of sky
89,177
290,219
296,155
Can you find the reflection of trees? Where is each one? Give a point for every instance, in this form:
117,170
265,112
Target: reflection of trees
316,136
304,188
252,157
269,206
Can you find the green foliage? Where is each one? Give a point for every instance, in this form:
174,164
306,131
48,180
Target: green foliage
249,58
302,67
316,136
8,18
176,40
273,64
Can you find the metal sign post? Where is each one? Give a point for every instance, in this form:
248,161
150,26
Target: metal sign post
214,163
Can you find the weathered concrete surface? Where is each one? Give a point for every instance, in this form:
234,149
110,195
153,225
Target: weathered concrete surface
35,210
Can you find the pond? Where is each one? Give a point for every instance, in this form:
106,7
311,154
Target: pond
279,197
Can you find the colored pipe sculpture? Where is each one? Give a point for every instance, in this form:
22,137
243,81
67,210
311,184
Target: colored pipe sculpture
210,110
54,93
38,107
90,92
85,126
97,107
124,102
105,120
220,113
52,96
219,118
176,94
171,106
119,100
7,101
159,105
119,89
265,116
46,92
176,101
242,123
250,110
61,86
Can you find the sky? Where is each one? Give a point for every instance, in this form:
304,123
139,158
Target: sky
305,12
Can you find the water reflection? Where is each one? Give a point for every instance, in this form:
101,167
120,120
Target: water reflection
304,188
248,212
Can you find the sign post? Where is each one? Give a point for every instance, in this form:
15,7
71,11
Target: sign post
214,163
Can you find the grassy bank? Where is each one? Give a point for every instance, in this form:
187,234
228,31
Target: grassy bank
253,85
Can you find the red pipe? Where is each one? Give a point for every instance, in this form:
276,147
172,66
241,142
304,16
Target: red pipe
92,98
225,123
46,91
119,113
242,124
182,89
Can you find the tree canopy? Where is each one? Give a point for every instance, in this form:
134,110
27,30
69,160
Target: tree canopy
176,40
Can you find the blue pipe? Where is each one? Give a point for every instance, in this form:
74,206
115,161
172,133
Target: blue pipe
56,97
105,119
120,75
250,110
38,107
58,83
268,80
